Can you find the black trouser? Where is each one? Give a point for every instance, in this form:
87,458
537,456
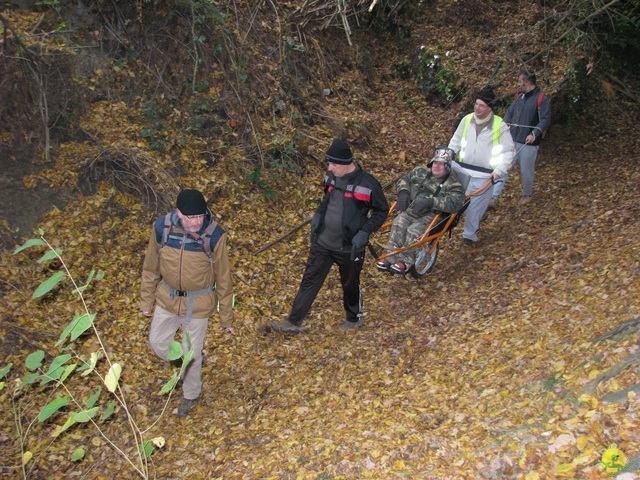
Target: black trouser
318,265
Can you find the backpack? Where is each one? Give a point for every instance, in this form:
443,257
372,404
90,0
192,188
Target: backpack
540,98
205,238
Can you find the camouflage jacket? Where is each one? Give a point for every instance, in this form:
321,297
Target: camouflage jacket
421,183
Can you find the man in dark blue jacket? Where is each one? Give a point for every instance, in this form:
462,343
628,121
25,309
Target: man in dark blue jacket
528,118
353,207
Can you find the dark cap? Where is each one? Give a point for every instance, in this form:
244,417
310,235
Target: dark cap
339,152
487,96
191,202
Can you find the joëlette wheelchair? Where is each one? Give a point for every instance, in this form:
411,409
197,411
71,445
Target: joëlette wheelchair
429,242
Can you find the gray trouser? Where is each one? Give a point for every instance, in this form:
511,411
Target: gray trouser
164,327
478,204
526,156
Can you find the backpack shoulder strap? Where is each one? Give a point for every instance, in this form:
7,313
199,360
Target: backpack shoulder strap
540,98
206,237
166,230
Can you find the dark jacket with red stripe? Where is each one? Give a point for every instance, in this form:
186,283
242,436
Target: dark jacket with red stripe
364,205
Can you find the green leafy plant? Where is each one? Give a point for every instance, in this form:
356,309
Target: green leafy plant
256,178
203,17
52,381
434,77
403,69
282,154
156,135
200,107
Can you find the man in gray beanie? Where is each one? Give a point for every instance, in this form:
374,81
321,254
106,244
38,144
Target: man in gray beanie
353,207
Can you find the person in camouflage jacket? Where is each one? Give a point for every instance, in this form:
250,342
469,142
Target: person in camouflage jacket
421,193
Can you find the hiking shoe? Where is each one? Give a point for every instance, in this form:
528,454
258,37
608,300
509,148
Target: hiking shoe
185,406
347,325
525,199
466,244
285,326
383,265
399,267
493,204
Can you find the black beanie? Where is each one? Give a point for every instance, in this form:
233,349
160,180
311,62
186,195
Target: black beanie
191,202
339,152
487,96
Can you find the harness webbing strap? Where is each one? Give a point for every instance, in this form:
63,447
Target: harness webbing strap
205,238
190,294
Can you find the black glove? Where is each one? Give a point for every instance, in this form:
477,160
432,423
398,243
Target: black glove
358,242
315,223
422,206
403,200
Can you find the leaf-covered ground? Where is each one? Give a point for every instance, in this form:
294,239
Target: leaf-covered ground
493,366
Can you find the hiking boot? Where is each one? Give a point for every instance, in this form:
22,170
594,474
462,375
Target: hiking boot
347,325
285,326
185,406
466,243
383,265
400,268
493,204
525,199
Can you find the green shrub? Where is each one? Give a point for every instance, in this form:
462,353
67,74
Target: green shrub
64,407
435,79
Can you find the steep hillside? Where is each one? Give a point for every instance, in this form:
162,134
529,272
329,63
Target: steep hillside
515,359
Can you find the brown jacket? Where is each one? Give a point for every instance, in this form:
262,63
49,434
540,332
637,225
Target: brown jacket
181,269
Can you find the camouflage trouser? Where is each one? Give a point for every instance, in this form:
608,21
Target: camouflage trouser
405,230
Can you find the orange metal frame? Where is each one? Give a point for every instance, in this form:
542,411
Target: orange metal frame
427,237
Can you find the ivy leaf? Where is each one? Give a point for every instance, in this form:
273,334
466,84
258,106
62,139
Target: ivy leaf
175,351
91,401
5,370
85,415
46,286
171,383
77,455
91,365
109,411
146,450
111,380
50,255
52,407
34,361
33,242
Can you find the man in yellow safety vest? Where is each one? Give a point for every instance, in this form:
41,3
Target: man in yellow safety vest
485,150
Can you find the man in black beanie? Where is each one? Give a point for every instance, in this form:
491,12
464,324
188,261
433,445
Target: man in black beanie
484,151
185,276
353,207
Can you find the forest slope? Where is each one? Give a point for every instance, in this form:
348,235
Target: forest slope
493,366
